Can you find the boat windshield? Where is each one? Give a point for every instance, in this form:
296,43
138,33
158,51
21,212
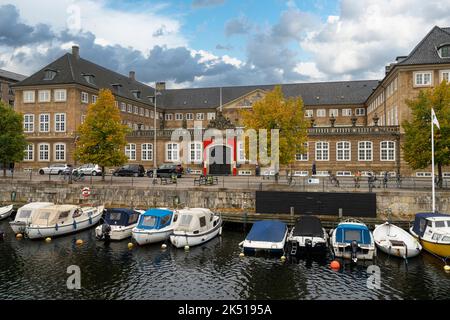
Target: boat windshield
185,220
352,235
446,239
114,216
64,214
165,220
149,221
24,214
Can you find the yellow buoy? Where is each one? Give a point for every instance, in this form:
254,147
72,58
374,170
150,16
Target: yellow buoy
283,258
241,255
186,248
79,242
447,267
130,245
48,239
163,246
19,236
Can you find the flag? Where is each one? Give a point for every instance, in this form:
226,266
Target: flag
434,119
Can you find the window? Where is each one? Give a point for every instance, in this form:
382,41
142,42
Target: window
195,152
178,116
60,152
241,152
343,151
444,51
147,152
200,116
360,112
343,173
84,97
147,113
422,78
423,174
49,74
123,107
211,115
172,152
321,113
387,151
136,110
189,116
141,111
302,156
44,122
322,151
94,98
309,113
83,118
60,122
346,112
60,95
333,113
445,75
44,152
169,116
130,108
202,221
152,114
365,151
44,95
28,97
28,123
29,153
130,151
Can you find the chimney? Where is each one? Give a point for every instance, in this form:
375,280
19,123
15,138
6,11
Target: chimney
132,75
76,52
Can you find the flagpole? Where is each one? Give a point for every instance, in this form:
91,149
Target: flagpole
432,164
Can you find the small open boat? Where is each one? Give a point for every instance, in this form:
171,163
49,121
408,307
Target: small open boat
24,214
195,226
353,240
5,212
60,220
433,232
267,235
155,225
308,236
395,241
118,224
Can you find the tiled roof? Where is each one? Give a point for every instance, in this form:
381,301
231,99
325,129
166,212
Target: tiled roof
11,75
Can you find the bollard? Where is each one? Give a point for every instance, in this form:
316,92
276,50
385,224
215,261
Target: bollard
340,213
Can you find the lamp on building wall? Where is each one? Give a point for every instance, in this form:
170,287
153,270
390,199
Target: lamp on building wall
354,120
332,120
155,164
312,122
375,119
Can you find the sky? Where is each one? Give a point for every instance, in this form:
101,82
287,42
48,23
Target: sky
202,43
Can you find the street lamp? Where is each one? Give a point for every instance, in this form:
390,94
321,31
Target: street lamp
155,165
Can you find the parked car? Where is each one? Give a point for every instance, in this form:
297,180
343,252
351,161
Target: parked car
88,170
130,170
57,168
167,170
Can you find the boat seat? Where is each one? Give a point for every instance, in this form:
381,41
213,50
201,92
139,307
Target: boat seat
396,243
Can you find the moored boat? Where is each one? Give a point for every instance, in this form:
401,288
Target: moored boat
395,241
155,225
5,212
308,236
195,226
353,240
117,224
24,214
60,220
433,232
267,236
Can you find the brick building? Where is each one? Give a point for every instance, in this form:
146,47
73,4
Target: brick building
355,125
7,79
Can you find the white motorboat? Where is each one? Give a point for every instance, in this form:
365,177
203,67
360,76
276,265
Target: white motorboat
308,236
24,214
353,240
267,236
5,212
117,224
433,232
195,226
155,225
395,241
59,220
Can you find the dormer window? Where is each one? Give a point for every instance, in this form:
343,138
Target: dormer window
90,78
444,51
116,86
49,74
136,94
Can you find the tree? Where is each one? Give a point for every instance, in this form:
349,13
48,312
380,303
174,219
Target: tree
274,111
12,139
102,136
417,145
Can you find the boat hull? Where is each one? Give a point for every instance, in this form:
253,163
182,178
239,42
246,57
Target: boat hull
143,237
394,241
440,249
181,239
117,233
6,212
18,226
344,252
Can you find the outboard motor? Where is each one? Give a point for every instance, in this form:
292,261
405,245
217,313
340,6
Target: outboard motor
308,245
105,232
354,247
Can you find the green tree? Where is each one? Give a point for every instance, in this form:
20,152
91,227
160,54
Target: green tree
417,145
102,136
274,111
12,139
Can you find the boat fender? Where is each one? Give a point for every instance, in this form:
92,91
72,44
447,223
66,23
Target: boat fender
74,224
130,245
447,268
283,258
56,227
186,248
241,255
90,219
164,246
19,236
79,242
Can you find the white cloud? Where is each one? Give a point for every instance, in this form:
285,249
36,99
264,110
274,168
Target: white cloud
309,69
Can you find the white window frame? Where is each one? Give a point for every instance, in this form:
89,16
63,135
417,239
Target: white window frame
423,73
178,116
136,110
44,95
343,151
130,151
387,150
58,153
94,98
321,113
200,116
141,111
60,95
169,116
359,112
303,156
147,113
172,154
29,96
28,123
240,150
189,116
347,112
84,97
321,150
344,174
42,152
309,113
366,149
423,174
441,75
195,152
211,116
45,124
29,151
123,107
333,113
60,125
147,152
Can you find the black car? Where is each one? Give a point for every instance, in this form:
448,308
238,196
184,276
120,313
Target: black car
130,170
167,171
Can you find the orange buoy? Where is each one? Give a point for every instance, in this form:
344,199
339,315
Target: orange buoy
335,265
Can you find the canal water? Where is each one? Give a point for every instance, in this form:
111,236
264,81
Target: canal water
38,270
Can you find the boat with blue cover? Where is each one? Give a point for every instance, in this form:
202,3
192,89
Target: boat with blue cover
155,225
353,240
118,224
267,235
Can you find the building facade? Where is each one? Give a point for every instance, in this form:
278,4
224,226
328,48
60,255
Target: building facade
7,79
354,125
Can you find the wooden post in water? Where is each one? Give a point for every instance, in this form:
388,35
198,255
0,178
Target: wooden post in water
293,215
